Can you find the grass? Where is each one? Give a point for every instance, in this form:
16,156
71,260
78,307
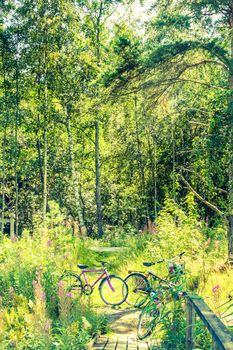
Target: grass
31,266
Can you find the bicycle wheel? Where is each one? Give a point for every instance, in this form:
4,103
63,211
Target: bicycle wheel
71,284
147,322
115,296
137,289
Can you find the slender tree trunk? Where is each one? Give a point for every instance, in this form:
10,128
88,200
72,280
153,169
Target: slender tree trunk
230,109
40,162
3,176
151,157
16,154
45,192
5,123
99,215
45,165
140,164
155,180
75,183
173,162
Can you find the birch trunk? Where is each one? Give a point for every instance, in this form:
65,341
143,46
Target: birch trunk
74,176
99,216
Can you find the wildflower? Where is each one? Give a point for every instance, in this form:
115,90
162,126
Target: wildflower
180,294
207,243
69,294
11,291
216,244
47,326
42,295
60,284
13,239
49,243
216,288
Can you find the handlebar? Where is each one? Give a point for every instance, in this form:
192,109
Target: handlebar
177,256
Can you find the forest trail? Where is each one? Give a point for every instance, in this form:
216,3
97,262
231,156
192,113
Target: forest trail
123,336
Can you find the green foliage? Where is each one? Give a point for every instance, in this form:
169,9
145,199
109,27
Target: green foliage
33,312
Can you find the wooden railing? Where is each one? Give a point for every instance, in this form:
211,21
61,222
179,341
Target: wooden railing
222,338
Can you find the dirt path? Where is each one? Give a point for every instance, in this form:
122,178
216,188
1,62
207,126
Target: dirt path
123,336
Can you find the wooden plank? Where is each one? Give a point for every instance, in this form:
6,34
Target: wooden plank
111,345
190,326
220,334
142,345
108,249
100,343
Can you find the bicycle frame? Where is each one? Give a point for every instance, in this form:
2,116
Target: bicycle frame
103,272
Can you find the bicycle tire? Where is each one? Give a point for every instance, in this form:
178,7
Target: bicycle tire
72,283
147,322
137,283
105,290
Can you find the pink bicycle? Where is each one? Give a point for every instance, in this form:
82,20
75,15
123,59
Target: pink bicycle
113,289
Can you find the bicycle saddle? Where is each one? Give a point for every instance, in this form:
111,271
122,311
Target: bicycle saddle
82,266
148,264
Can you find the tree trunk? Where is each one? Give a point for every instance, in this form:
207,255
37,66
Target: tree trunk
16,154
3,177
155,180
5,123
230,109
75,183
45,165
173,163
140,165
99,216
45,193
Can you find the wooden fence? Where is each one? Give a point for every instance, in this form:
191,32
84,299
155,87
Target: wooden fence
222,338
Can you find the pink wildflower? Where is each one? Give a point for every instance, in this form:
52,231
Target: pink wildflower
216,288
60,284
207,243
49,243
69,294
47,326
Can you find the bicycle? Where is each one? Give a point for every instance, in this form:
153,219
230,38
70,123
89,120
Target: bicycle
111,286
155,312
140,282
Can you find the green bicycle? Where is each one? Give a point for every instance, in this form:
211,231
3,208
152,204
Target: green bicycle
140,282
155,310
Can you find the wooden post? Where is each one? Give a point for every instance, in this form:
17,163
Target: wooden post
190,326
214,345
12,225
